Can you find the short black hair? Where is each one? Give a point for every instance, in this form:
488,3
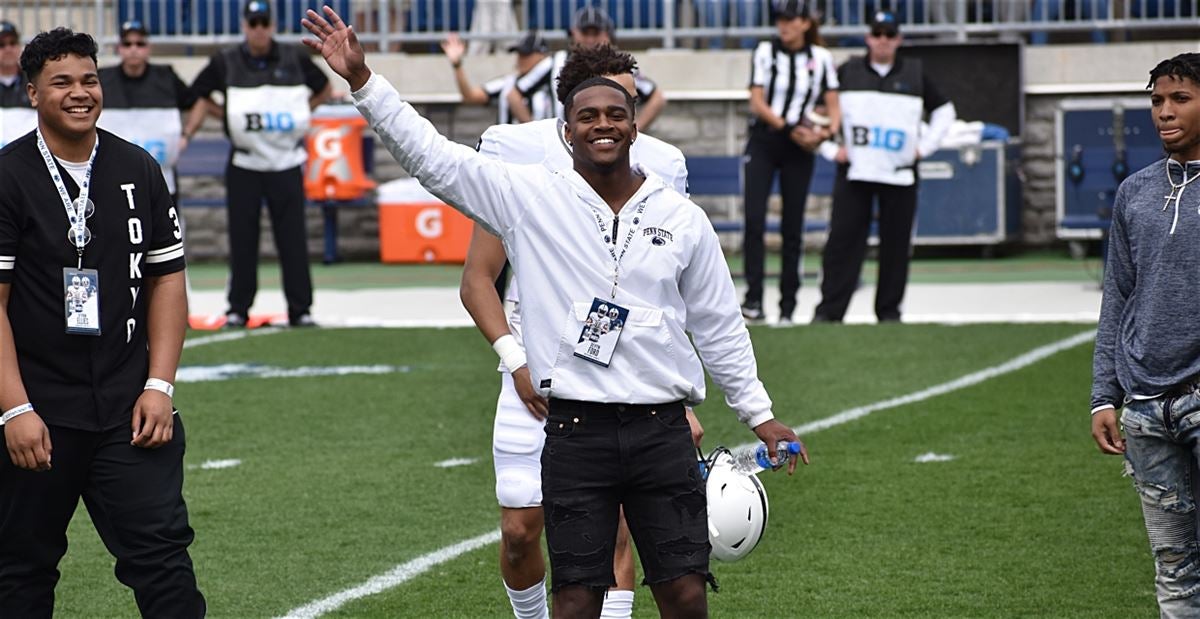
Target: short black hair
598,81
53,45
1184,65
587,62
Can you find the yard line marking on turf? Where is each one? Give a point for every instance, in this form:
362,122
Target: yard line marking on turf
210,465
228,337
396,576
229,371
932,457
407,571
453,462
963,382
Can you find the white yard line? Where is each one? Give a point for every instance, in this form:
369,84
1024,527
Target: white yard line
407,571
396,576
229,336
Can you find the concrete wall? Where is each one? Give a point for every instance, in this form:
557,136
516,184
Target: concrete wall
707,116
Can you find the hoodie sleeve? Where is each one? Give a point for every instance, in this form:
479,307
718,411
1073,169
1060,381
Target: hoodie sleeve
1120,275
479,187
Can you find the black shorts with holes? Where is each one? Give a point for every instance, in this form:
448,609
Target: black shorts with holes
599,458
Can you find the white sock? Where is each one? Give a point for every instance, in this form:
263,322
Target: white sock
618,604
529,603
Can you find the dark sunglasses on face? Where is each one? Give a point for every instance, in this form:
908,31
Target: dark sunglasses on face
884,34
259,22
134,44
9,43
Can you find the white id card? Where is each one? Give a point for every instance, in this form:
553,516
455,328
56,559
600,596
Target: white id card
601,330
81,292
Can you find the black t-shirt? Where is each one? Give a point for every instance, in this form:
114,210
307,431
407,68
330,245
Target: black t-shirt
80,381
158,87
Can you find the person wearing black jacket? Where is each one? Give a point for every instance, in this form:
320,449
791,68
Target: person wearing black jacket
143,101
93,311
270,90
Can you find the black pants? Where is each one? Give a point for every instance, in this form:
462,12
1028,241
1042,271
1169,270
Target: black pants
135,499
849,228
768,152
284,194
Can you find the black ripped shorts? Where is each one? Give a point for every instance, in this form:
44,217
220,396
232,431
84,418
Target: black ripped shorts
600,457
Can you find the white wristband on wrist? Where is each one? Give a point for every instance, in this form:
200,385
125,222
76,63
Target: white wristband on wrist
510,352
158,384
15,411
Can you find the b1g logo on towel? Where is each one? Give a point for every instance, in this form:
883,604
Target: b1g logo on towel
270,121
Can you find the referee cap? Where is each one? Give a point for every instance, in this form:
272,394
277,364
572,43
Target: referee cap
257,8
134,25
884,21
790,9
531,43
593,17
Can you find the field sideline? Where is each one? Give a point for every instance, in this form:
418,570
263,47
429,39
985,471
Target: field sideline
335,482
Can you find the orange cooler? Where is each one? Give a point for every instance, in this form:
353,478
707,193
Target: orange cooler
414,226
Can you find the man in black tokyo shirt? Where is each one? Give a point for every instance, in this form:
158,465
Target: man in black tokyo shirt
91,329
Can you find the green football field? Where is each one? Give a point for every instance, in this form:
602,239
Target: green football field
312,470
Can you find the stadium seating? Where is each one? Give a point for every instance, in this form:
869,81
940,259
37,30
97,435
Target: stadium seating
722,176
208,17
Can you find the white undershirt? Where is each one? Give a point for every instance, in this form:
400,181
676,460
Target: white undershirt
76,170
881,69
9,80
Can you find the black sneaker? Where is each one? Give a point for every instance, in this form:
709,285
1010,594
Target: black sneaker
752,310
234,320
303,320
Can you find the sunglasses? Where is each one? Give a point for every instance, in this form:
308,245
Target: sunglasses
884,34
134,44
258,22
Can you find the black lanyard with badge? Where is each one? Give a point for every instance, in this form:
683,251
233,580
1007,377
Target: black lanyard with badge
81,287
605,320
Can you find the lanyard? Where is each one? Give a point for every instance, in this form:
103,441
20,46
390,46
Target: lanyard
77,210
612,246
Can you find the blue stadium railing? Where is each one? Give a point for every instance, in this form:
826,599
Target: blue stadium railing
658,22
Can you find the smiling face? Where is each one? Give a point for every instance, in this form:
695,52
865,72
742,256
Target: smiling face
1175,108
600,126
67,96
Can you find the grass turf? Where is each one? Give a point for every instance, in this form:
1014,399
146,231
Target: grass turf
337,482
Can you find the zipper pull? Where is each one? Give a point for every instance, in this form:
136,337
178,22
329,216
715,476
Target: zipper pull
616,224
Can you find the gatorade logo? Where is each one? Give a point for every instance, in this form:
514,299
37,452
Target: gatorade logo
328,143
429,222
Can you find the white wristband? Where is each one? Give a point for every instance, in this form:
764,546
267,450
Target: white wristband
159,384
511,353
15,411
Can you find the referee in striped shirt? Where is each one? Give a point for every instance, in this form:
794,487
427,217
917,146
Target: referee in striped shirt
791,76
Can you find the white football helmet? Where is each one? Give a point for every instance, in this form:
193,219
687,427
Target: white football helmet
737,510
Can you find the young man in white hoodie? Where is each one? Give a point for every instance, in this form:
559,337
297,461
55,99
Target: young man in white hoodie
617,436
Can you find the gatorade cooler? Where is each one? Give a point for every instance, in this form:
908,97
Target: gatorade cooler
335,157
414,226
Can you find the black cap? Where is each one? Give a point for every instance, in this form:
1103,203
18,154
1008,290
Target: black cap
257,8
134,25
593,17
885,21
7,27
790,9
531,43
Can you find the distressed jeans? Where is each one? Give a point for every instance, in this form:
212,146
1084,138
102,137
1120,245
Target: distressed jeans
1162,454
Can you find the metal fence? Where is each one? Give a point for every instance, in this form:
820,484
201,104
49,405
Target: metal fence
664,23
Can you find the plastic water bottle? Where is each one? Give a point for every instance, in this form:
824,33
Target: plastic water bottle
752,461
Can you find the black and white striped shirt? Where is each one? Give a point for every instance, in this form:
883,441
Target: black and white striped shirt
792,81
544,75
540,101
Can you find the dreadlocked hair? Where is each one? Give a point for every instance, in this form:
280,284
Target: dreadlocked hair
1181,66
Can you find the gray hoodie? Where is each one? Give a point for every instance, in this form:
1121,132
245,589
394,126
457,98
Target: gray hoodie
1148,339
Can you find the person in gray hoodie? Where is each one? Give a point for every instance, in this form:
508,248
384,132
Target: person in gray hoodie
1147,359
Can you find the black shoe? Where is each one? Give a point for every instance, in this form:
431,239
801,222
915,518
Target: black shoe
822,318
234,320
752,310
303,320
